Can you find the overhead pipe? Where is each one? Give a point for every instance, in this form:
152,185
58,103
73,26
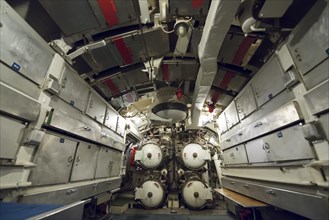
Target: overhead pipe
220,16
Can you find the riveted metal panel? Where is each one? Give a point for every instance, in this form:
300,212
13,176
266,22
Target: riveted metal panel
245,102
290,200
74,90
54,160
308,42
23,107
104,163
188,7
235,155
71,16
100,59
268,82
231,115
222,123
121,127
85,162
116,157
111,119
21,47
317,98
96,108
11,135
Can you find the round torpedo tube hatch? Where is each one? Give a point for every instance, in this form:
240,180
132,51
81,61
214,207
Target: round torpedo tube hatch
150,194
195,156
196,194
150,156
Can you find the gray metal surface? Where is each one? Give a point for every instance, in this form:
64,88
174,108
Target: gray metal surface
276,145
235,155
317,99
324,120
69,119
222,123
16,81
158,47
100,59
54,161
245,102
187,7
104,163
274,8
111,119
294,201
310,35
74,211
71,16
116,158
74,90
96,107
285,115
17,103
231,115
85,162
268,81
11,136
317,75
256,152
66,194
21,47
121,127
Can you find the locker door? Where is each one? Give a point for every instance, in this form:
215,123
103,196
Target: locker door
235,155
54,160
245,102
85,162
231,115
115,165
104,163
268,81
96,108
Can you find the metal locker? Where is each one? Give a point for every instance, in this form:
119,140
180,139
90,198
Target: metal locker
115,164
222,123
268,81
235,155
85,162
287,144
121,127
96,108
256,151
54,160
111,119
73,89
11,135
231,115
245,102
308,42
22,48
104,163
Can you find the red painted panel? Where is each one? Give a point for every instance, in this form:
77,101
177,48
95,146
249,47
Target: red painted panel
165,72
197,3
109,10
111,85
124,50
237,60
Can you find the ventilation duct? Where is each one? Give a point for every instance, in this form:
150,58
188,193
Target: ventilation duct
220,16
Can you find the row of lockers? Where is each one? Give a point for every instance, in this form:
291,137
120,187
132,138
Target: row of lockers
266,84
60,160
285,145
78,94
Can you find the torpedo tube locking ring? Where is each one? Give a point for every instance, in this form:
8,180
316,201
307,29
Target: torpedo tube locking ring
196,194
194,155
150,194
149,155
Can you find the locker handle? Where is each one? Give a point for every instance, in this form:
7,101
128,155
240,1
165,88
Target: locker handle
228,140
266,146
232,183
70,191
245,185
78,159
87,128
258,124
270,191
70,159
